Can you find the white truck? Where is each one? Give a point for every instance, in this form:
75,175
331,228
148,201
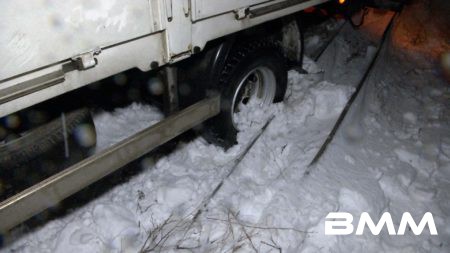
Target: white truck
51,47
237,49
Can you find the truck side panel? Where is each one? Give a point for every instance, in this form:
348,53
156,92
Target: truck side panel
137,53
43,41
37,33
216,26
208,8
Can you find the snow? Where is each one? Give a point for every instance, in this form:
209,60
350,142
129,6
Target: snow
392,154
134,118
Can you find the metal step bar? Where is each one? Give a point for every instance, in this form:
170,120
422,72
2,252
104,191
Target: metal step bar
254,13
33,85
49,192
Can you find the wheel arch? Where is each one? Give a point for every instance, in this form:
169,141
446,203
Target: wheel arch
205,66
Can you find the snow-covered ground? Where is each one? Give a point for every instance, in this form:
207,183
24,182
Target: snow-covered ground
392,154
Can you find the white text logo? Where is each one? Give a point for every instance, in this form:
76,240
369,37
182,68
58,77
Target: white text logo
340,223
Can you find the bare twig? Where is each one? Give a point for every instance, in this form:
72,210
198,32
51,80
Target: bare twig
159,235
245,231
263,228
273,246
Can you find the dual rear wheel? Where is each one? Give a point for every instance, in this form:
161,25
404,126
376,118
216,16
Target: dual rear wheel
255,72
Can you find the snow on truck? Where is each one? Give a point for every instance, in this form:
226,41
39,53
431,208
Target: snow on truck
225,52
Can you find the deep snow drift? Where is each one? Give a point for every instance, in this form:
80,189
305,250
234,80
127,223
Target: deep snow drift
392,153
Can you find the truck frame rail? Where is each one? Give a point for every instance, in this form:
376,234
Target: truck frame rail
49,192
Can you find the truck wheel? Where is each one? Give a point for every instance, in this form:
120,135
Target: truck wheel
254,70
41,152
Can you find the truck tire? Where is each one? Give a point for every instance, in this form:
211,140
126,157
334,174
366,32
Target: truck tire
41,152
253,69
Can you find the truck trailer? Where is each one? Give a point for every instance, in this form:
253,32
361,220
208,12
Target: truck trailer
225,52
